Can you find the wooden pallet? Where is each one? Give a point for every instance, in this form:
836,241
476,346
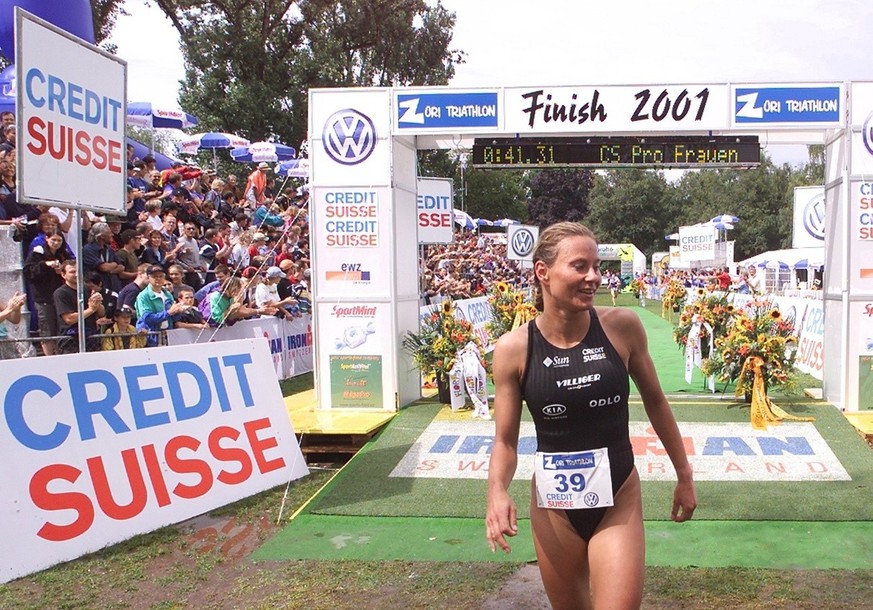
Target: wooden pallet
331,434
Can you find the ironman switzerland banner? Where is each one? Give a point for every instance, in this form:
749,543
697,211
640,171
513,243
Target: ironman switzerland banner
98,448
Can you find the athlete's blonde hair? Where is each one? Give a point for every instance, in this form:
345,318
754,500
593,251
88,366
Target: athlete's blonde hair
546,248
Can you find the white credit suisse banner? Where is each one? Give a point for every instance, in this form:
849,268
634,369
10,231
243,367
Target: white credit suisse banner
435,196
697,243
350,230
71,100
632,108
100,448
476,311
290,341
716,451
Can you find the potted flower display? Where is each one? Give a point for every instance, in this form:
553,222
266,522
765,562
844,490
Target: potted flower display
435,346
758,352
508,308
674,296
758,331
709,315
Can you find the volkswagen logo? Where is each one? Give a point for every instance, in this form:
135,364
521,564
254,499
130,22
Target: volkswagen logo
867,132
523,242
814,217
349,137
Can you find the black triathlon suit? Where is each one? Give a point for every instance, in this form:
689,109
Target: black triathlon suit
591,381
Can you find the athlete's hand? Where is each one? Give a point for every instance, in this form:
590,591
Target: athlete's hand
500,521
684,501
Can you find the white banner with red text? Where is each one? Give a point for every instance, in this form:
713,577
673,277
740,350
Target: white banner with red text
99,448
290,341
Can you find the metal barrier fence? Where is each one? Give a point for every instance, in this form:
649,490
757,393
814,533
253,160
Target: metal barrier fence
30,347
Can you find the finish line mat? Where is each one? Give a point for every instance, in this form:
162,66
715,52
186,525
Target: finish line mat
760,544
821,471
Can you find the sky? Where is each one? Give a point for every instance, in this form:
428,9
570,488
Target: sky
568,42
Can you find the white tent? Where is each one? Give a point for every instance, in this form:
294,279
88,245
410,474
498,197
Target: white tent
794,258
781,266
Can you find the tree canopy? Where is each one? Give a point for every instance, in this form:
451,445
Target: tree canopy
249,65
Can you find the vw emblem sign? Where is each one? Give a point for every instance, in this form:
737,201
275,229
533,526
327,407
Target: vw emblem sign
520,241
814,217
349,136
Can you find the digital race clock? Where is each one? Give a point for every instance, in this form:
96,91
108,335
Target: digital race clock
603,152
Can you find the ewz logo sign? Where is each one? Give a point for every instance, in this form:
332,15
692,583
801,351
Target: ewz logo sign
349,137
716,451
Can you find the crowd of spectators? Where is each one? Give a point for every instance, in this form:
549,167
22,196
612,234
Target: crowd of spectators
192,250
469,266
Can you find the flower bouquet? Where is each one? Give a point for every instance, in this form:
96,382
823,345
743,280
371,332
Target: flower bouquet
701,321
758,352
435,346
758,330
509,309
673,297
711,313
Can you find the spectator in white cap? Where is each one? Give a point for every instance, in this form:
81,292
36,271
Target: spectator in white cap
267,294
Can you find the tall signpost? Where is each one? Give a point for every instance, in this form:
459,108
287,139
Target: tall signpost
71,108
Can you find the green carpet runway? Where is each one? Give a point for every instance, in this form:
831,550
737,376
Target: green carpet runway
363,513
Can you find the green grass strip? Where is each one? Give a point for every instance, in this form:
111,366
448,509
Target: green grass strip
716,544
844,545
331,537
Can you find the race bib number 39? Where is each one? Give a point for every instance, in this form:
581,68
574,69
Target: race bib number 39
573,480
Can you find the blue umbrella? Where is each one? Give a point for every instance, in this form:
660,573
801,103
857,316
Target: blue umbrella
505,222
293,168
463,219
212,140
725,219
483,222
672,237
7,89
263,151
144,114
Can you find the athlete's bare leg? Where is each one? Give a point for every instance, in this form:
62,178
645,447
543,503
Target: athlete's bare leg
562,557
617,552
607,572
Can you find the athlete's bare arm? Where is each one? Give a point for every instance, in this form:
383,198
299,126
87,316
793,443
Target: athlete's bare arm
508,363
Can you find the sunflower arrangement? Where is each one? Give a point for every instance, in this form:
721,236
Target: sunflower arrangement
708,308
675,293
758,332
506,305
638,285
435,346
